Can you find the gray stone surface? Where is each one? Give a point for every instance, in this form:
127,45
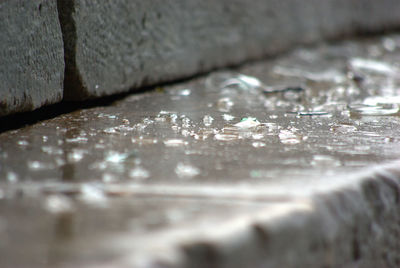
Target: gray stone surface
152,181
31,55
116,46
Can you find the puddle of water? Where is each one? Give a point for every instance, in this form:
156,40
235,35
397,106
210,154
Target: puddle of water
311,98
288,121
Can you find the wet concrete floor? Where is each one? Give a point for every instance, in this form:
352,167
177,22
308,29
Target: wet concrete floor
92,186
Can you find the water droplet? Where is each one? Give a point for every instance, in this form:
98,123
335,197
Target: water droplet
139,173
175,215
215,80
164,116
225,104
389,139
139,127
257,136
4,155
185,122
160,118
256,173
228,117
293,96
311,113
115,157
186,170
172,118
58,204
258,144
360,64
288,137
175,143
101,165
226,136
59,162
343,128
363,148
12,177
144,141
51,150
243,82
181,92
77,140
207,120
93,195
147,121
325,160
330,75
76,155
109,116
376,110
37,165
176,128
389,44
109,178
247,122
23,143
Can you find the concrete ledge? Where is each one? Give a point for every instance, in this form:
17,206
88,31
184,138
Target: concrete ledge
114,47
149,181
355,224
31,55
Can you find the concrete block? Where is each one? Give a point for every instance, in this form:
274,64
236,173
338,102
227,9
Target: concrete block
31,55
113,47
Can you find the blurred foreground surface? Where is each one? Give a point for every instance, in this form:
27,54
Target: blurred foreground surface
135,181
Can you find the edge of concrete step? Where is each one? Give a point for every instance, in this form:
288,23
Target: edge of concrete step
353,224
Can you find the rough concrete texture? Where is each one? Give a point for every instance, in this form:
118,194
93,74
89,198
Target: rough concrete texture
31,55
117,46
216,172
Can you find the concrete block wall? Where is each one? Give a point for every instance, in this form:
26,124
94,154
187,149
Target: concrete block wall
79,49
31,55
